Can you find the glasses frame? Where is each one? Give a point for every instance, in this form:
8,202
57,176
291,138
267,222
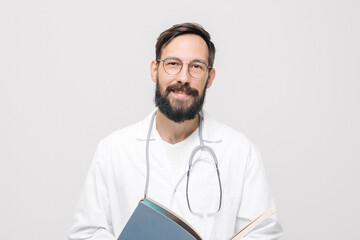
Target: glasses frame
182,64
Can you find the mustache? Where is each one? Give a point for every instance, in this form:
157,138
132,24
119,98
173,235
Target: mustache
182,88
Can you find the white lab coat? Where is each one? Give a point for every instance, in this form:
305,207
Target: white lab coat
116,180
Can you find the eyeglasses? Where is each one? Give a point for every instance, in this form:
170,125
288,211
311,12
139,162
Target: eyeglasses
173,66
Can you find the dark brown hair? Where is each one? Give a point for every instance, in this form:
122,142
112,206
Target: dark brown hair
185,28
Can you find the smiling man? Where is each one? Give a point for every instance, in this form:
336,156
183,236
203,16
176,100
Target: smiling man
182,75
207,173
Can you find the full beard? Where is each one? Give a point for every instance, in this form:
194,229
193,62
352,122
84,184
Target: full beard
179,112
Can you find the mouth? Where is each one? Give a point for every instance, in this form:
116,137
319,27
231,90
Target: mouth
181,94
182,91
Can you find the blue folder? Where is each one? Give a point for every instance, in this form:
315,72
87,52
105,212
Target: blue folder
151,221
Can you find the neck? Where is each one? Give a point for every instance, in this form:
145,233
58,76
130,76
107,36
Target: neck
173,132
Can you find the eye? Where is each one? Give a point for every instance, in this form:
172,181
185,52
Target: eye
197,66
172,63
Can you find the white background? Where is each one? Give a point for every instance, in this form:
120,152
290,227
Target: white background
288,77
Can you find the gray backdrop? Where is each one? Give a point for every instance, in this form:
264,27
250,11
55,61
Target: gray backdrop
288,77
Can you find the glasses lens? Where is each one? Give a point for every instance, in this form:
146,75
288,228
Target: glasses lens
172,66
197,69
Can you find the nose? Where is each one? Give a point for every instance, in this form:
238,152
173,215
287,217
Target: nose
184,76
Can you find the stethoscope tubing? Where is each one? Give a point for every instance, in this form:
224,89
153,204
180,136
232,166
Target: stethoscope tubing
194,151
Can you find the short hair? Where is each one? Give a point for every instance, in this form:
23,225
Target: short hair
185,28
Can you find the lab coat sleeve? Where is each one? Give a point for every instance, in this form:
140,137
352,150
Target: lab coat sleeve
92,219
256,199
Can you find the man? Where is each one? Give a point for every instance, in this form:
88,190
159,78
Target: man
219,204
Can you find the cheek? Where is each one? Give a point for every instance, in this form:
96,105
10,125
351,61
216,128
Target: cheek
200,87
165,81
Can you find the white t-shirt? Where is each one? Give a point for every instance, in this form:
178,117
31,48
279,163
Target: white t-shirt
178,153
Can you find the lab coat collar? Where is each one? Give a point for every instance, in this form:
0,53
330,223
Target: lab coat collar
211,133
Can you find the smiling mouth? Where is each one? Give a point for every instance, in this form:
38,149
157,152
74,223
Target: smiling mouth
181,92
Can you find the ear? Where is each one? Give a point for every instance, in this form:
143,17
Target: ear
154,70
211,77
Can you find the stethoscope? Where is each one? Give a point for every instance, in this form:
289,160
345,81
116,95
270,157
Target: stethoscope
202,146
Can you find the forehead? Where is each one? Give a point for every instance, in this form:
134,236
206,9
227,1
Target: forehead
186,47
